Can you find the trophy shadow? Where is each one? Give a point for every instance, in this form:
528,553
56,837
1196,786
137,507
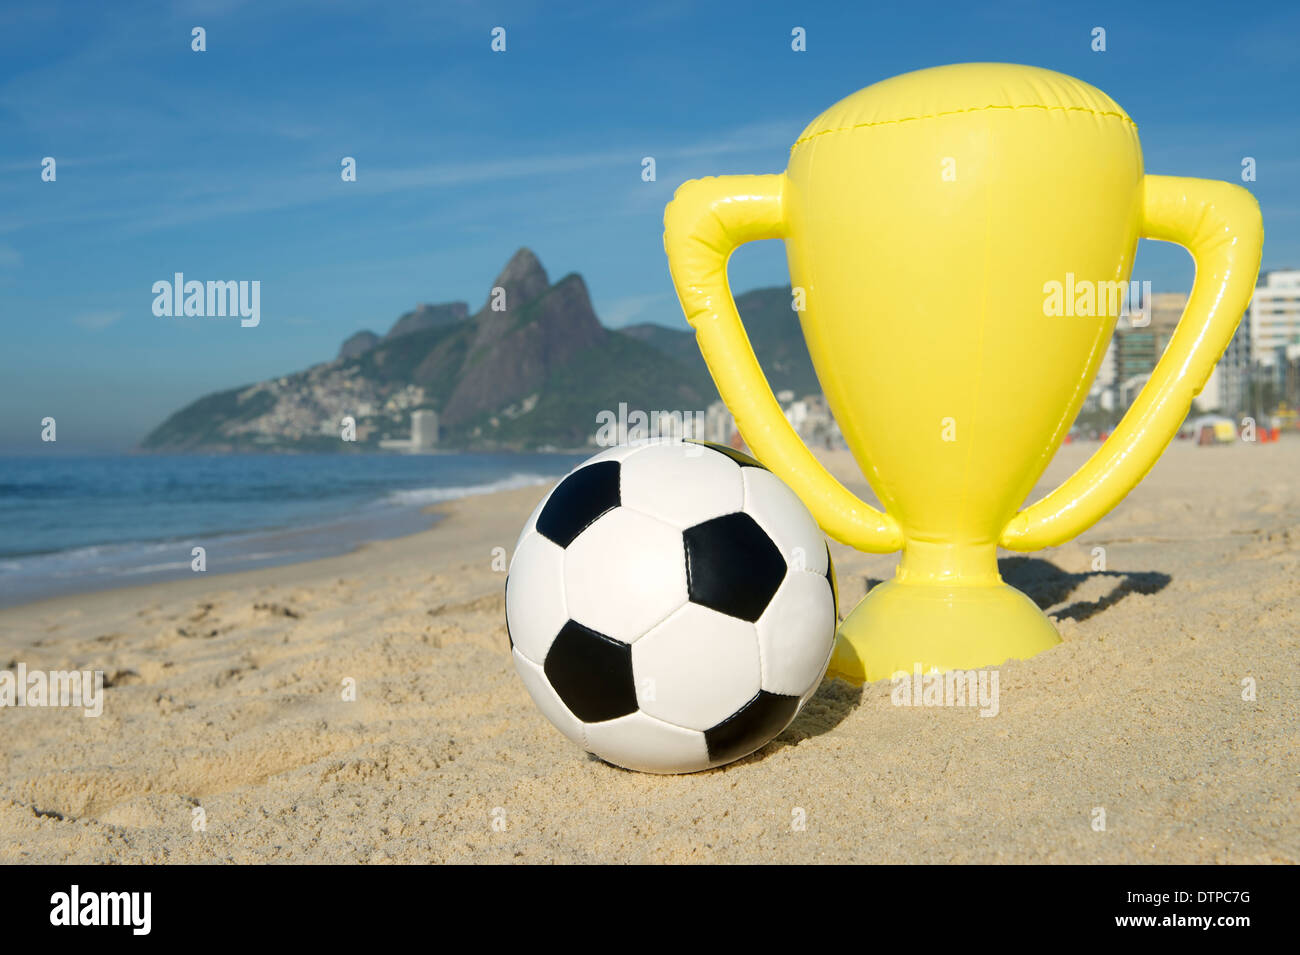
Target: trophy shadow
1046,584
1049,586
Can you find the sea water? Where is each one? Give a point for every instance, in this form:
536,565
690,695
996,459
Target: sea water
70,524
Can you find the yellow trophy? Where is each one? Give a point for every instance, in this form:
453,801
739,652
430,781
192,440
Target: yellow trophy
925,220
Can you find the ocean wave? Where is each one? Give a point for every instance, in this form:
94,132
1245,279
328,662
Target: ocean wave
246,545
93,552
148,568
433,495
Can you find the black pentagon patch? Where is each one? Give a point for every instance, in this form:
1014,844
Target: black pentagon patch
578,500
830,579
740,457
750,726
732,566
591,673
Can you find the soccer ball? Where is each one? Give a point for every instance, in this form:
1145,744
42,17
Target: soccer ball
671,606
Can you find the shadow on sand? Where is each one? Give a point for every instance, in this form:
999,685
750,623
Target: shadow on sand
1047,585
1042,581
825,710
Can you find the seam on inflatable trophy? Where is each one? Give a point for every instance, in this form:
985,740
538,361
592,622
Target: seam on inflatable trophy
954,112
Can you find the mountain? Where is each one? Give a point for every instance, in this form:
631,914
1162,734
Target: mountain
512,353
773,331
675,342
531,368
358,344
425,317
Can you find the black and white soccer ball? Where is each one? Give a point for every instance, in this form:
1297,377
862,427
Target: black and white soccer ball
671,606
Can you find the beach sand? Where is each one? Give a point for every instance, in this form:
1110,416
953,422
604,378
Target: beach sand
226,696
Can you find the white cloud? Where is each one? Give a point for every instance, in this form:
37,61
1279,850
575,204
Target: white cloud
223,197
94,321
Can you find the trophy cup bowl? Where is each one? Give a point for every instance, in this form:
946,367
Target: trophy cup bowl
962,237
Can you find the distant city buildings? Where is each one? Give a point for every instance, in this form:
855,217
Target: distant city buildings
1228,390
1275,338
1141,335
812,420
1259,369
1275,316
809,416
1291,380
1258,374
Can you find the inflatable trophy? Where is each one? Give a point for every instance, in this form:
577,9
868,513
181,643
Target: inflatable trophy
931,222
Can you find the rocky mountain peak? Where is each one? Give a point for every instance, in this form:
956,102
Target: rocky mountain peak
536,372
523,278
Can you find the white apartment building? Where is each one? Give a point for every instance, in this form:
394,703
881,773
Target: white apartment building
1275,315
1103,386
424,430
1227,391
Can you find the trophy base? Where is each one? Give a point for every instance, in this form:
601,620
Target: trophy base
901,625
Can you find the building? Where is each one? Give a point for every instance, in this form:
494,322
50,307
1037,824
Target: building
1128,389
1139,341
1142,335
821,428
1136,348
1228,390
809,416
812,420
424,434
1102,394
1291,377
424,430
1275,315
796,412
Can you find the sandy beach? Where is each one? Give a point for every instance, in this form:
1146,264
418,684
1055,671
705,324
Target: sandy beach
225,694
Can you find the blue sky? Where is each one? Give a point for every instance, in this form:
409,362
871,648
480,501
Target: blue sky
225,164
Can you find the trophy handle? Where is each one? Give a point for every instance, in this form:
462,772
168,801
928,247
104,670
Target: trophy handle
705,222
1220,225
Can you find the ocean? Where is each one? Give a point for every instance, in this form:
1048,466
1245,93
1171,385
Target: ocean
71,524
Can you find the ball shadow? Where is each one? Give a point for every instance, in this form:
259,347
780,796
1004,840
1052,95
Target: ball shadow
826,709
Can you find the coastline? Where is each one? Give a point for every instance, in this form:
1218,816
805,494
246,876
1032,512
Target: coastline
408,545
225,694
83,524
305,544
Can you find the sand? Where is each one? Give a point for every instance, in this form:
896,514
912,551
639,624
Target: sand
226,696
